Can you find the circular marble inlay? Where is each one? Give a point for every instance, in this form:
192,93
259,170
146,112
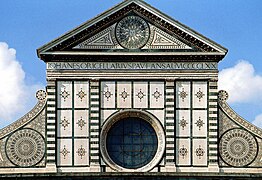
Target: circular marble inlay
238,147
132,32
25,148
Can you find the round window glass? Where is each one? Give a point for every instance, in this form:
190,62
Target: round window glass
131,142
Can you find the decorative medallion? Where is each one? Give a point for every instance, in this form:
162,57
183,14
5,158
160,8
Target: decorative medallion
132,32
64,152
64,94
81,152
183,123
140,95
183,94
64,123
81,123
199,94
238,147
107,94
25,147
81,94
222,95
124,94
199,123
199,152
157,94
183,152
41,95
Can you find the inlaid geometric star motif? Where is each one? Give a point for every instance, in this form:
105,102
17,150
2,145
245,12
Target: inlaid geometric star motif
199,152
200,94
107,94
81,123
64,152
183,152
124,94
183,94
157,94
140,95
64,123
199,123
81,151
81,94
64,94
183,123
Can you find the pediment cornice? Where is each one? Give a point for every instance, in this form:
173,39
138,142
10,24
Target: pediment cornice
171,31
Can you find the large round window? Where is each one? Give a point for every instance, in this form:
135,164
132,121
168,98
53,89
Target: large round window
132,141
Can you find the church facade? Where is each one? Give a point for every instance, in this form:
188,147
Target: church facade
131,93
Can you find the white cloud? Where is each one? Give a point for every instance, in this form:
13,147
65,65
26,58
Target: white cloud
15,95
241,82
258,121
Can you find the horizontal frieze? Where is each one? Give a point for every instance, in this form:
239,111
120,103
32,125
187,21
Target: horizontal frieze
132,66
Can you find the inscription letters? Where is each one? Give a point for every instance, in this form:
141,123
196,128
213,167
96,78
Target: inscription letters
132,65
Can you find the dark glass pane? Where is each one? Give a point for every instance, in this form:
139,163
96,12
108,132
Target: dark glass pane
131,142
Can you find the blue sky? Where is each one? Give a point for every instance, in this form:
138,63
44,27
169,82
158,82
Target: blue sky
235,24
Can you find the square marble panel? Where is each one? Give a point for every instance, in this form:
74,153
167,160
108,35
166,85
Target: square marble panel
81,96
108,96
183,152
81,152
124,95
64,123
81,123
64,152
105,114
199,152
199,123
183,123
157,94
159,114
200,94
140,94
183,94
64,94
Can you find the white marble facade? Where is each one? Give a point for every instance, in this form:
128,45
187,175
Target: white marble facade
73,123
190,112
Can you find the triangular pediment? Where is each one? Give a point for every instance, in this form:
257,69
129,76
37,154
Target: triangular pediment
132,28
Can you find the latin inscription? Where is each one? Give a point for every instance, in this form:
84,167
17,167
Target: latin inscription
132,66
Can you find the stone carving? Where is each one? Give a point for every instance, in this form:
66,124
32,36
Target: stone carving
28,117
64,94
161,40
124,94
200,95
140,95
183,152
199,152
132,32
25,147
64,122
107,94
199,123
238,147
81,123
41,95
183,123
183,94
157,94
81,94
222,97
81,152
64,152
103,40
